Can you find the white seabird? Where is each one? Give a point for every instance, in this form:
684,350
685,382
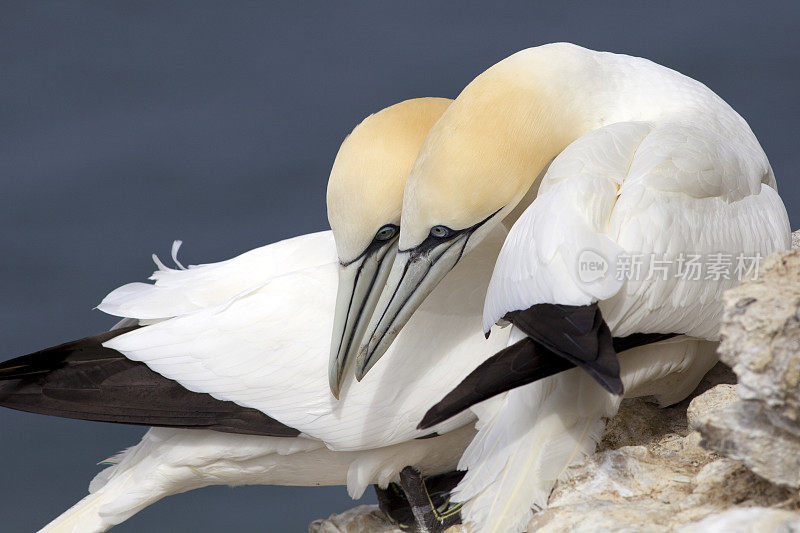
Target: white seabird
655,163
243,345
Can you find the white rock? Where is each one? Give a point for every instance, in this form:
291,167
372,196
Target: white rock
761,341
651,475
356,520
747,520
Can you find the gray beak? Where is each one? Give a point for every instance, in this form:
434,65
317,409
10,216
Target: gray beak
414,275
360,283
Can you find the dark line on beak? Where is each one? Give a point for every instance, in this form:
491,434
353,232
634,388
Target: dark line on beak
405,270
372,248
403,303
397,288
426,245
352,295
461,253
349,307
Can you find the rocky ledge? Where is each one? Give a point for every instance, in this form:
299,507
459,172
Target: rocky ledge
725,460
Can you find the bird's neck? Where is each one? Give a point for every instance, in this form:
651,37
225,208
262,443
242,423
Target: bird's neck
538,102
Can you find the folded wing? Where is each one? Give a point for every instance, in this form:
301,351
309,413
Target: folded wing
84,380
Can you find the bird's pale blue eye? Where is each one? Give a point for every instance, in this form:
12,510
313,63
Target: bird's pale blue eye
440,232
386,232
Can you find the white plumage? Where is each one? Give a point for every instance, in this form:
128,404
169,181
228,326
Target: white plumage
636,189
659,192
261,347
181,291
658,164
172,461
644,161
534,432
255,330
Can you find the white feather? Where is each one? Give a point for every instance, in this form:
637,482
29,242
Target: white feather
525,445
640,189
176,245
265,348
633,189
541,429
180,291
171,461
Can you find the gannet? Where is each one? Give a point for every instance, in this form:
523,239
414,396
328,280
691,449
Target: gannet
242,346
651,163
366,230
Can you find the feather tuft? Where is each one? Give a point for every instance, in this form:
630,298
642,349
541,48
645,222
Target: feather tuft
176,245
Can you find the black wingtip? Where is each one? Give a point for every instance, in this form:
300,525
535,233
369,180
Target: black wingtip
577,333
82,379
50,359
519,364
612,385
579,337
431,418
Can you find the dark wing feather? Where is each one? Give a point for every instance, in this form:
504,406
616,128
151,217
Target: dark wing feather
639,339
514,366
84,380
577,333
519,364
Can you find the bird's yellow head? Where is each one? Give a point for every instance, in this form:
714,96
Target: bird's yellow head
486,151
365,198
478,161
365,188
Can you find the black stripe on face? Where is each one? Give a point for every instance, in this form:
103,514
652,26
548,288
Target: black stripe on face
422,251
423,269
431,242
373,247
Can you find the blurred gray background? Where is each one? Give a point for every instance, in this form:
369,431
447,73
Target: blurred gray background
126,125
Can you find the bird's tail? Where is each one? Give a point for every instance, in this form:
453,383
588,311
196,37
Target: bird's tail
86,516
520,452
115,494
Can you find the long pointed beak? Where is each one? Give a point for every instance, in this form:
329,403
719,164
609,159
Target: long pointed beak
360,283
415,273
